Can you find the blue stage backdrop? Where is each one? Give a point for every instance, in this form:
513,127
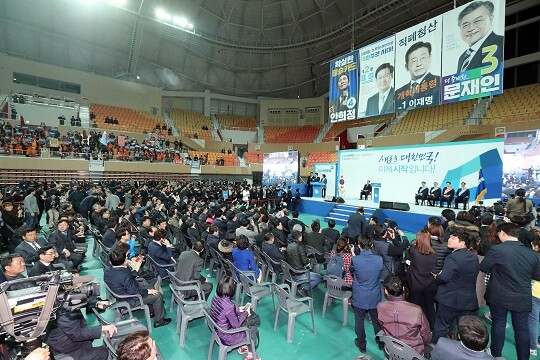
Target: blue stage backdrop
400,170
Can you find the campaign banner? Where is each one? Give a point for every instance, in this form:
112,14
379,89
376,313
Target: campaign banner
377,78
329,170
473,45
418,65
343,94
401,170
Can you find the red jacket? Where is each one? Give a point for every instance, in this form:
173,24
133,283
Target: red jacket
404,321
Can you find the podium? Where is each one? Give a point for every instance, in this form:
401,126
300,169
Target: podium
317,189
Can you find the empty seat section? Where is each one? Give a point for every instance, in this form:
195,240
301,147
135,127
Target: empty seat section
517,104
190,123
128,119
434,118
321,157
236,122
339,127
291,134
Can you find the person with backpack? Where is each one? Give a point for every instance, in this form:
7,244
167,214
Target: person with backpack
519,206
340,261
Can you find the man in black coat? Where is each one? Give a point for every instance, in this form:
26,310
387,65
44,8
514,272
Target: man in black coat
462,196
457,284
422,193
122,281
357,225
270,248
434,194
512,266
46,254
63,241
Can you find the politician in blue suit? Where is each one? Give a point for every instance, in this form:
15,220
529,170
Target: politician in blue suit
161,251
366,268
383,101
457,284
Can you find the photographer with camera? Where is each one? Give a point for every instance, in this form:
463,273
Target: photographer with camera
389,242
69,333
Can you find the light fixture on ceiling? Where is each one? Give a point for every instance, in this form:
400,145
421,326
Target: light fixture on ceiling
118,3
162,15
138,77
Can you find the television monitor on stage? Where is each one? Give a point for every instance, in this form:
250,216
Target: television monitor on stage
281,167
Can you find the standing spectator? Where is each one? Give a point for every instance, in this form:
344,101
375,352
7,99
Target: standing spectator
357,225
400,319
52,205
112,200
31,208
366,269
422,284
457,284
512,266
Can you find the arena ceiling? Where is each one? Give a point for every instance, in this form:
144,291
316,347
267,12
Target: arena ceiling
251,48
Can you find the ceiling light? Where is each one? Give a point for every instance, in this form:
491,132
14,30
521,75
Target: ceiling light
118,3
162,15
138,77
190,26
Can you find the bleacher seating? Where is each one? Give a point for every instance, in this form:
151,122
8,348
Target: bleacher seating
517,104
137,121
321,157
253,157
190,123
337,128
434,118
291,134
230,159
236,122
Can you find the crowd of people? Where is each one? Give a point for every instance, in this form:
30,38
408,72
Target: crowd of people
434,285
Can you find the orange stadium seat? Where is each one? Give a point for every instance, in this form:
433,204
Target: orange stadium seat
253,157
517,104
190,123
321,157
236,122
128,119
291,134
434,118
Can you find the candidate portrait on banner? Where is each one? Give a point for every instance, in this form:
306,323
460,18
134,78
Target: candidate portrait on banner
377,78
473,50
383,101
418,65
343,94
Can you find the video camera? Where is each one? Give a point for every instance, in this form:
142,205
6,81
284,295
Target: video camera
25,313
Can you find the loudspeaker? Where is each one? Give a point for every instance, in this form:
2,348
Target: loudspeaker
386,205
340,200
402,206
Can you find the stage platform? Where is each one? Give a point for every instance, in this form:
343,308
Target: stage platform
412,220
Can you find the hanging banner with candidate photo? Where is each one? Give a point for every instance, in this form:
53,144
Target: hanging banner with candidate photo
418,65
473,44
377,78
343,96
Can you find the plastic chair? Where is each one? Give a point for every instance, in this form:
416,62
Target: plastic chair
153,265
288,276
294,307
187,309
259,259
214,260
113,298
256,291
397,350
312,254
271,268
124,327
333,290
225,349
235,273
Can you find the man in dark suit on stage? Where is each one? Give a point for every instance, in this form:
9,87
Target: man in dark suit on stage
422,193
434,194
485,47
366,190
447,194
462,196
383,101
457,284
424,87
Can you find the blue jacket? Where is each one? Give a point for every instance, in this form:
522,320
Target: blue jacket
366,268
162,255
244,260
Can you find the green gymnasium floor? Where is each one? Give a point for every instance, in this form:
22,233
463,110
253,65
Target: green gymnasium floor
332,341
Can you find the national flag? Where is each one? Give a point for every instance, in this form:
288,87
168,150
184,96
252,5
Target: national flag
481,189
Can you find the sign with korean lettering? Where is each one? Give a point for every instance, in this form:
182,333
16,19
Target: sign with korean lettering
377,78
473,44
343,94
401,170
418,65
